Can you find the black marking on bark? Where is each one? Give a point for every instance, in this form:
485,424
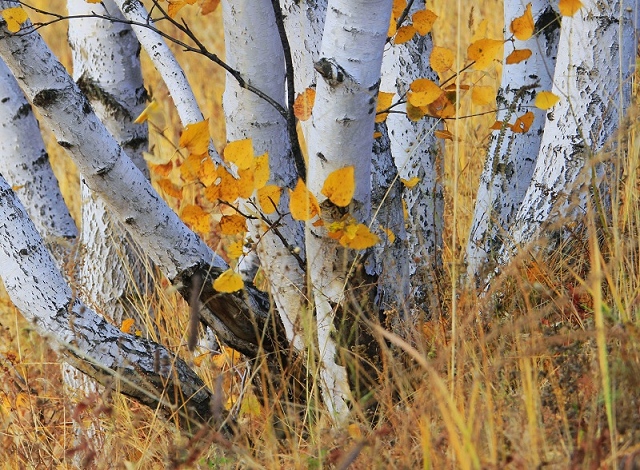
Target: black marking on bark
94,92
23,111
331,71
104,170
135,143
549,24
129,221
4,100
65,144
321,157
194,308
46,98
42,159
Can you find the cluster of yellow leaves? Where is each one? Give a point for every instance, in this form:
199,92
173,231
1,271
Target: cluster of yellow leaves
351,234
14,17
421,23
206,6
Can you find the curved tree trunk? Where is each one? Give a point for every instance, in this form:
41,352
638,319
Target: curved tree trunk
254,46
24,162
512,156
594,91
341,135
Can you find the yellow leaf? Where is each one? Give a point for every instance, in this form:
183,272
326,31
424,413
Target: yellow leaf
245,183
546,100
14,18
250,406
354,431
176,5
229,281
442,107
522,27
398,8
340,186
423,21
195,137
483,95
127,324
207,172
261,172
147,112
390,235
227,188
190,167
517,56
160,159
410,183
170,189
569,7
384,102
208,6
235,250
302,204
523,123
415,113
496,126
196,218
269,198
358,237
424,93
484,52
303,105
197,361
161,170
93,1
233,224
443,134
240,153
393,27
404,34
441,59
377,134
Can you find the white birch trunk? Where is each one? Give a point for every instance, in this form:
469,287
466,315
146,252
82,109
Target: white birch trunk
417,153
512,157
254,47
596,55
342,135
24,162
141,369
108,171
106,66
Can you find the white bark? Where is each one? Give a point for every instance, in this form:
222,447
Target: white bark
108,171
417,153
596,55
106,66
143,370
342,135
24,162
254,47
512,157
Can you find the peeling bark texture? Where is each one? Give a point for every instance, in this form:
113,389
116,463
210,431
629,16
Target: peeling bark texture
512,156
341,135
167,66
25,164
417,153
141,369
596,55
254,46
106,66
243,318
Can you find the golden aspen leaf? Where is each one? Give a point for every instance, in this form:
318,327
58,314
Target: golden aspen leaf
160,159
14,18
170,189
483,95
443,134
340,186
195,137
261,172
240,153
235,250
302,204
484,52
424,93
245,183
481,30
414,113
377,134
227,188
523,123
423,21
393,27
303,105
517,56
410,183
269,198
233,224
93,1
546,100
523,26
176,5
384,102
207,172
197,361
228,282
212,193
354,431
398,7
208,6
358,237
442,107
404,34
441,59
126,325
190,167
147,112
161,170
390,235
569,7
250,406
196,218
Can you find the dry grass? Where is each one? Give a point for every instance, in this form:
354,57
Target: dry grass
551,379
